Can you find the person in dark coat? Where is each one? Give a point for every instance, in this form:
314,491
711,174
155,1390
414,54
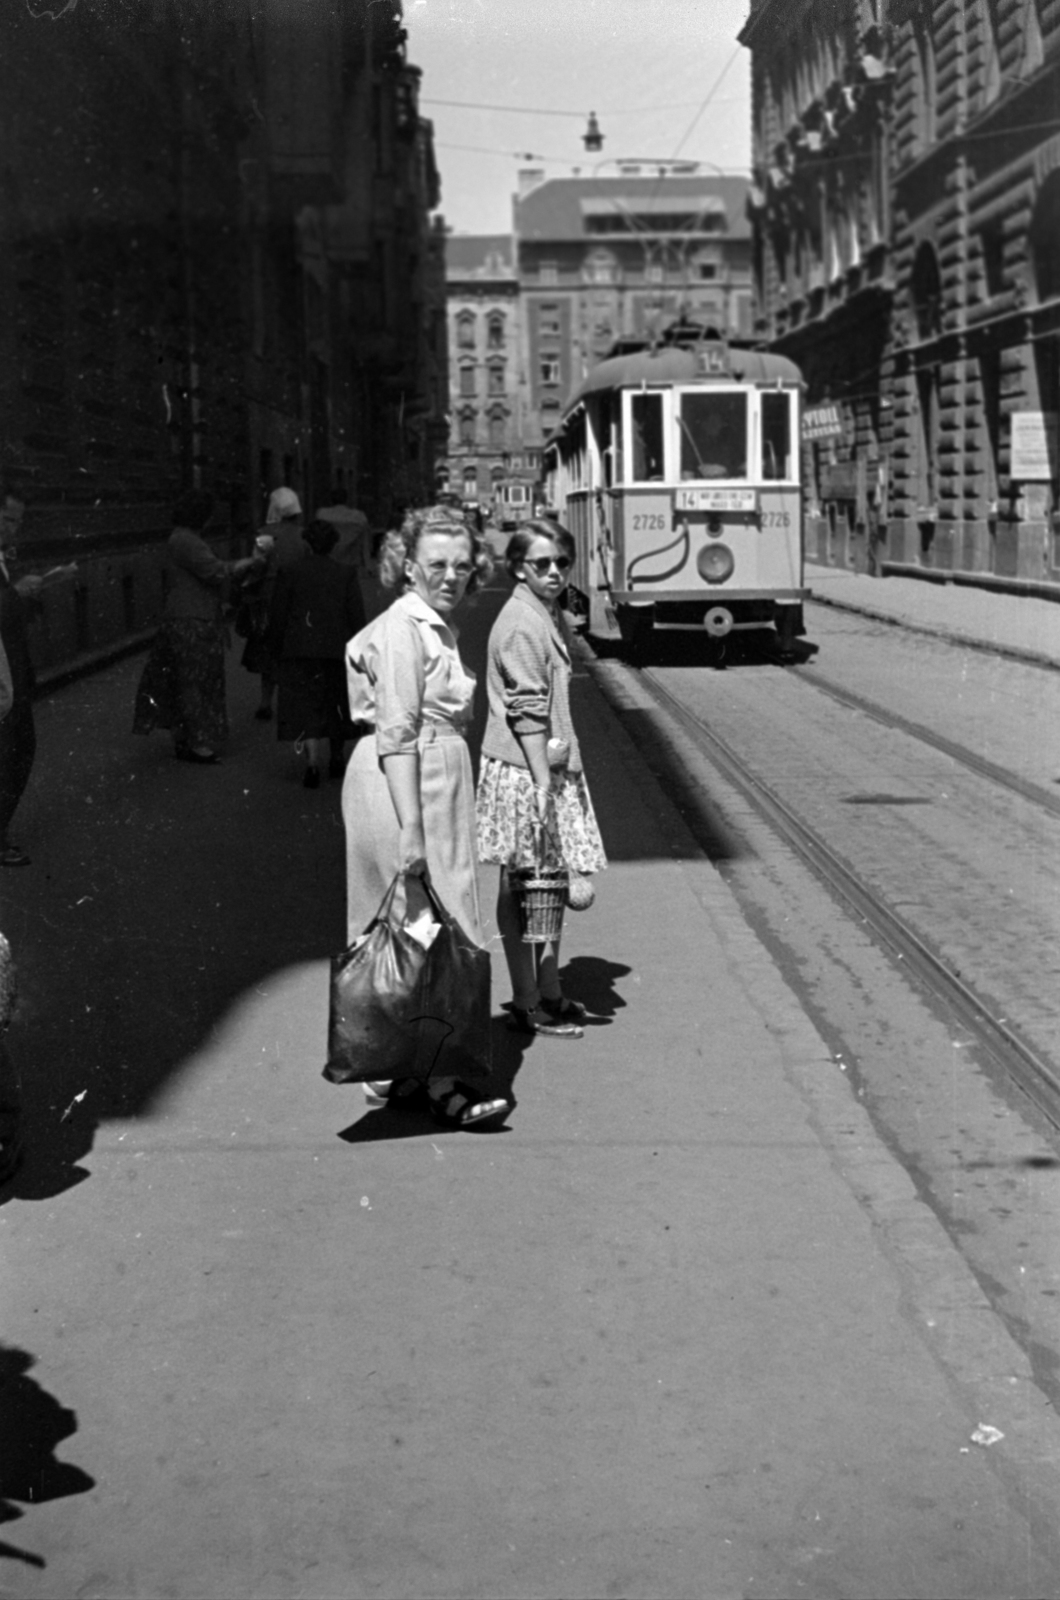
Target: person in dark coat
18,738
316,607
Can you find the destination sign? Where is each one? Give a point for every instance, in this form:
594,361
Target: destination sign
717,500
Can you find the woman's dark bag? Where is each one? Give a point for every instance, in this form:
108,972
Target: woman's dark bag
394,1004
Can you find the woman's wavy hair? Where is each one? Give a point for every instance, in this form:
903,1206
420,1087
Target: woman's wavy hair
400,545
538,528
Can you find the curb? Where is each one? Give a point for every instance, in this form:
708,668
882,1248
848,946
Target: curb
1032,658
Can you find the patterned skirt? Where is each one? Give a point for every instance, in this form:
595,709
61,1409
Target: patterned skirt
183,684
508,830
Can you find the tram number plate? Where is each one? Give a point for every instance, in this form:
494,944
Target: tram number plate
717,500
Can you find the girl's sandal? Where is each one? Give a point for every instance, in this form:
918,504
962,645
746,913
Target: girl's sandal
542,1021
458,1107
562,1009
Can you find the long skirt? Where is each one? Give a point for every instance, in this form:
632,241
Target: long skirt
447,791
183,684
508,829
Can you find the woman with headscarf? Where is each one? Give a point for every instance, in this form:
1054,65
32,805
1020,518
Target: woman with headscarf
408,799
183,683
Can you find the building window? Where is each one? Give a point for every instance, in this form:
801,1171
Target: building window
550,370
707,269
467,429
496,377
653,275
467,379
546,272
495,333
496,430
465,331
992,244
470,482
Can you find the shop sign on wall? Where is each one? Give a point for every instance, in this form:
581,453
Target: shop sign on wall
822,422
1034,440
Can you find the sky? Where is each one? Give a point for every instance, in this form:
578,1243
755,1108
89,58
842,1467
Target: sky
645,67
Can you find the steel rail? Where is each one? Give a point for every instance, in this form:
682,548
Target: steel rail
1032,1074
1027,790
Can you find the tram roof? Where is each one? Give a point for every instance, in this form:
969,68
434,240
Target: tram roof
685,364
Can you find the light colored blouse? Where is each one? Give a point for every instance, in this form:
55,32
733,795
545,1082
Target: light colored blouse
528,679
403,672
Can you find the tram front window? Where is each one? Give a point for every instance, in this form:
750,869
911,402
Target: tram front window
646,411
776,436
713,430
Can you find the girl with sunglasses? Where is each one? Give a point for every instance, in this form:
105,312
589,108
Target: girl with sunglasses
533,805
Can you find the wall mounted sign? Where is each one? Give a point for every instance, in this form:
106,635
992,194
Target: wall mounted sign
822,422
1033,446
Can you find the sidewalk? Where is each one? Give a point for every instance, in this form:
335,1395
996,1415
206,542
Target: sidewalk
1015,625
682,1329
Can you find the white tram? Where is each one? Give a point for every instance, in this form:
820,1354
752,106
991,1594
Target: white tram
677,470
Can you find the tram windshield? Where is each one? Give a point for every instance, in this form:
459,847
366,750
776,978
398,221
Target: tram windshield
713,429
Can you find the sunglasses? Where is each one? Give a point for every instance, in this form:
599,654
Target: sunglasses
541,564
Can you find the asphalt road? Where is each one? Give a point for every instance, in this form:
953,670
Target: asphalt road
684,1327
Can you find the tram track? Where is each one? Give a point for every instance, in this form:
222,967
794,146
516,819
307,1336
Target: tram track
1032,792
1032,1073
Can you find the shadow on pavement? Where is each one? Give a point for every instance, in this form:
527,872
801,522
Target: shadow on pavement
32,1424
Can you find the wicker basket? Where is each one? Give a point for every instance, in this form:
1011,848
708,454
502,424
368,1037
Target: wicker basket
542,899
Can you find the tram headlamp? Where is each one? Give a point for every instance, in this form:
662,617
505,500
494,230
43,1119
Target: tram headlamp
713,526
715,563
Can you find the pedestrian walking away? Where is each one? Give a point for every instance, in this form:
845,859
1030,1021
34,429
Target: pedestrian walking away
183,683
408,796
282,545
534,810
316,607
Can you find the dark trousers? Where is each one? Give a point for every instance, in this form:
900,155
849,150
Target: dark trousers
18,746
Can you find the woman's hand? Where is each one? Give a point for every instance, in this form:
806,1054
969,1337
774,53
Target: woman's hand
412,850
542,797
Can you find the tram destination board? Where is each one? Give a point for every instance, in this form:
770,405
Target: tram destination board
717,500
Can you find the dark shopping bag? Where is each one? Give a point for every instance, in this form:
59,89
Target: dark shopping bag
394,1004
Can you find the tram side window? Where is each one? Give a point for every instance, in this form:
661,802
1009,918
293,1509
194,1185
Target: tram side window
713,431
776,436
646,412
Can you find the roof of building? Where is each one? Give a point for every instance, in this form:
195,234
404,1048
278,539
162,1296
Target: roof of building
557,208
479,255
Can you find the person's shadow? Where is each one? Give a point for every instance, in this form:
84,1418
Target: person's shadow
32,1423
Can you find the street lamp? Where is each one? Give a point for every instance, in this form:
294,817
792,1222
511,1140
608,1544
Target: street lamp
592,138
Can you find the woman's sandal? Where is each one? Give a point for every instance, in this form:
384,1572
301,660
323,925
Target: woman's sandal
542,1021
458,1107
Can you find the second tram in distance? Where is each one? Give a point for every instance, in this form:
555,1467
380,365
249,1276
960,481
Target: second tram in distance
677,470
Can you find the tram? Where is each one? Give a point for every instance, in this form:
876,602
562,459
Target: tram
513,503
676,468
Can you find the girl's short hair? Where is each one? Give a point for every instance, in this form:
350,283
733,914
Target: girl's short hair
538,528
400,545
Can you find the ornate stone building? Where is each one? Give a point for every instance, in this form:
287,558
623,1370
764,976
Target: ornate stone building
487,389
907,236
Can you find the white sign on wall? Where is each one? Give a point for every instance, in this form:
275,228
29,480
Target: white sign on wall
1033,446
